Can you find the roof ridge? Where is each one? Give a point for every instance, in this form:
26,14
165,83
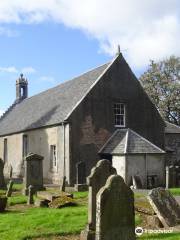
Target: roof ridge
66,81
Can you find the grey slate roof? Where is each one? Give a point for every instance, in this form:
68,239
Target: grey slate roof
126,141
171,128
49,107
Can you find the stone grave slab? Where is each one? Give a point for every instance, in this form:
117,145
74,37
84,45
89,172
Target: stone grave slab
115,217
96,180
33,172
165,206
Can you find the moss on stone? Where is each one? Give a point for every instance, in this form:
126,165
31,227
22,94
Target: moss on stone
62,201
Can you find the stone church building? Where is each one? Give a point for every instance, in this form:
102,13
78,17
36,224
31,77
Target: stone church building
103,113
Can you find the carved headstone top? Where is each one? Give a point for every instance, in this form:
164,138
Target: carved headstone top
97,180
165,206
100,172
115,217
33,172
34,157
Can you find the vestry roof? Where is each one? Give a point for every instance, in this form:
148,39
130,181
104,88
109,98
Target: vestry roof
172,128
126,141
50,107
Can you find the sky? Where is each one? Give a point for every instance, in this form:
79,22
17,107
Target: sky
51,41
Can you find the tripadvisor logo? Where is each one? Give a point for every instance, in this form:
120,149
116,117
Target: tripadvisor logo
139,231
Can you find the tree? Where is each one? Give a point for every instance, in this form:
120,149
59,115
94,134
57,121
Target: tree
162,83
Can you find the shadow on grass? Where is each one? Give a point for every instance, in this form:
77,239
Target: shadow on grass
11,212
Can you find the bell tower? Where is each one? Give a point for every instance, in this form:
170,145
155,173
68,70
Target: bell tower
21,88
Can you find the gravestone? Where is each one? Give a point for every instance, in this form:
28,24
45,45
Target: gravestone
137,183
8,170
33,172
115,217
96,180
9,190
81,177
165,206
30,195
2,181
63,184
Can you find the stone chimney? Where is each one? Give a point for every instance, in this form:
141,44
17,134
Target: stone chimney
21,88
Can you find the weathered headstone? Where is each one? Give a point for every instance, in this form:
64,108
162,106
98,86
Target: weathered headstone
137,183
30,195
165,206
63,184
115,216
152,181
9,190
2,181
8,171
33,172
96,180
81,177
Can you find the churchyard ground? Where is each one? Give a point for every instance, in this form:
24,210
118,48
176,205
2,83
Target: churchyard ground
21,221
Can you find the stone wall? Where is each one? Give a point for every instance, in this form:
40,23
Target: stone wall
39,142
92,121
172,141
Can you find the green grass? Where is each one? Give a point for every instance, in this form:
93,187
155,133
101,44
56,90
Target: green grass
163,236
175,191
17,186
23,223
36,222
80,195
20,199
2,192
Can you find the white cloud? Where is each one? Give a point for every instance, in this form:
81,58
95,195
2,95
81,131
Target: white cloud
28,70
144,29
12,69
47,79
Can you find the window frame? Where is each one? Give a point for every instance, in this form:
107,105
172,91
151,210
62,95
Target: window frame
119,114
25,145
53,157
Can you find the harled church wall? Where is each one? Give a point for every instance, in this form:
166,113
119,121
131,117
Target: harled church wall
39,142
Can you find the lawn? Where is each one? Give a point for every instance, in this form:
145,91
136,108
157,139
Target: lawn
22,222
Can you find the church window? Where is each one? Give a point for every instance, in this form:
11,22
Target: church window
25,145
53,156
119,114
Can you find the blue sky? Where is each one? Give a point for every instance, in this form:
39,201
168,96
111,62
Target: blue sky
51,41
49,54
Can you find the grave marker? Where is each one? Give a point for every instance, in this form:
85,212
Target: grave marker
165,206
96,180
115,217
